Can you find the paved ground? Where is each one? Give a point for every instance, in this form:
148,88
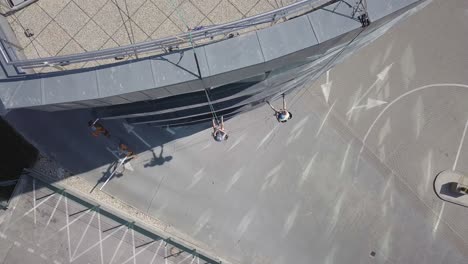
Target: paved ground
44,226
64,27
348,180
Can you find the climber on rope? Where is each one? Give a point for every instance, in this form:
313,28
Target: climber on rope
282,115
219,133
98,129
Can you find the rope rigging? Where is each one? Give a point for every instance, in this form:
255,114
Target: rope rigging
181,17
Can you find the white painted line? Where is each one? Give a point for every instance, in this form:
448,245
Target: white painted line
68,229
16,243
168,129
133,248
118,246
53,212
29,211
34,208
436,226
267,136
325,118
184,259
193,259
165,254
380,77
30,250
34,198
460,147
156,252
131,129
326,87
239,140
307,170
95,244
84,234
100,238
74,220
345,158
207,145
139,252
43,256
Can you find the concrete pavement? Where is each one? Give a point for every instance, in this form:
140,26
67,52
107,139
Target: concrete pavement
347,180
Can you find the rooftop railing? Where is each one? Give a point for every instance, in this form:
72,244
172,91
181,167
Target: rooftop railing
193,38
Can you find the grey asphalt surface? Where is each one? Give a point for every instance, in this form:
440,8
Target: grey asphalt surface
326,187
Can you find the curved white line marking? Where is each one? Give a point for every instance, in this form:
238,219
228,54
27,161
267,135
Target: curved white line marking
402,96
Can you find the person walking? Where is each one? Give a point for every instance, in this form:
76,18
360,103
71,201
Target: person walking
282,115
124,149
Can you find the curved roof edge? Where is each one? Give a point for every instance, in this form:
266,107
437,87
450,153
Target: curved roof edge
314,34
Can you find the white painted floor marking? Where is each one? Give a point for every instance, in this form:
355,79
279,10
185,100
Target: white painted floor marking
118,246
53,212
267,136
460,147
29,211
238,140
84,234
95,244
184,259
343,163
34,199
326,87
133,246
68,229
139,252
156,252
168,129
131,130
325,119
74,220
439,217
380,77
165,254
100,238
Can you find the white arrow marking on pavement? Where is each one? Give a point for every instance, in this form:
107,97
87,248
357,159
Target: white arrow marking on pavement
130,130
380,77
371,103
170,130
326,87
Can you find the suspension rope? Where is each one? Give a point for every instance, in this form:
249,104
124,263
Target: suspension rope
181,17
213,112
123,20
130,22
335,57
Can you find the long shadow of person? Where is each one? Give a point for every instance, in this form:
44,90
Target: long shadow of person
158,160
